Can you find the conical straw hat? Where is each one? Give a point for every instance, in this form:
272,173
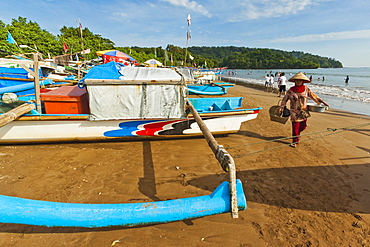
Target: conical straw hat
299,76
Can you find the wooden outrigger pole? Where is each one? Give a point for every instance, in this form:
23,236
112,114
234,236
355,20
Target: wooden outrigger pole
35,75
224,158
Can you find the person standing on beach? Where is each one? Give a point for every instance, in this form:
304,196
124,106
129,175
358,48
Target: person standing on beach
282,84
271,83
297,95
347,79
267,82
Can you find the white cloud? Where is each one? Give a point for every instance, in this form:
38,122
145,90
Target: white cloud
256,9
191,5
120,14
361,34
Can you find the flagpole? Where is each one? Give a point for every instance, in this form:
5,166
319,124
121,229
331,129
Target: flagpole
82,39
165,58
187,38
186,49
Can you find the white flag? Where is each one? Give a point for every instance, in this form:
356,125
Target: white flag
189,20
191,57
86,51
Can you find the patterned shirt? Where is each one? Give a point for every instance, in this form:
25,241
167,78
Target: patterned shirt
298,102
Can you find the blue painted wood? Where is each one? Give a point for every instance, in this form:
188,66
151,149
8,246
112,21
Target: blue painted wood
223,103
204,92
57,214
209,89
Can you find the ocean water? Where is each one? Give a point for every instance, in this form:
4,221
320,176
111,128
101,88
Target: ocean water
353,96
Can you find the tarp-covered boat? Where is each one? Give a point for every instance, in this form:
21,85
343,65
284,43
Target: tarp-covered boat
132,103
142,103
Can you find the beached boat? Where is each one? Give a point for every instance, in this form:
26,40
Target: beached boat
146,103
132,106
204,76
20,81
10,69
214,88
197,86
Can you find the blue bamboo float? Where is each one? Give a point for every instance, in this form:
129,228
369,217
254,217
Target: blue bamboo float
58,214
22,86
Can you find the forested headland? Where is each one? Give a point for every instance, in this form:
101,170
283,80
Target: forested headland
73,40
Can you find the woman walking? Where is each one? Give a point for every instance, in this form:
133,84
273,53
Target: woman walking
297,95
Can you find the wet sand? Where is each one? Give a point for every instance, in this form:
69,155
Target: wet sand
315,195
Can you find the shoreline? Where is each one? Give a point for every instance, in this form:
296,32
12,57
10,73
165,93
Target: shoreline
315,195
336,103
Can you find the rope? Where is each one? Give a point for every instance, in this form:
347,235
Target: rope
334,131
183,83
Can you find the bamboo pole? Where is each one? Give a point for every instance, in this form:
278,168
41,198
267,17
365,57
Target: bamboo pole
37,82
224,158
13,114
78,71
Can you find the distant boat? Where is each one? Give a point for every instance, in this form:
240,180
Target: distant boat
214,88
204,76
145,103
205,84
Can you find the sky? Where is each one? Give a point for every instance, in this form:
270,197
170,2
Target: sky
338,29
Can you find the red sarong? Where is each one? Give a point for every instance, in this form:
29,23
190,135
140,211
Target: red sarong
297,128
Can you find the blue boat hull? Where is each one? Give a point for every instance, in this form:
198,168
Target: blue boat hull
209,89
57,214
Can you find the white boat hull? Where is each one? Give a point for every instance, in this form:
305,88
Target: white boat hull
68,130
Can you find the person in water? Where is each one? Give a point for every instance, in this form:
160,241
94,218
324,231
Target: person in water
347,79
297,95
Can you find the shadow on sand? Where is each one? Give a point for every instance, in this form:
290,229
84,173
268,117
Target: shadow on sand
315,188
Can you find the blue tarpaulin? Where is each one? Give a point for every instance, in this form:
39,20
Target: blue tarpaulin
105,71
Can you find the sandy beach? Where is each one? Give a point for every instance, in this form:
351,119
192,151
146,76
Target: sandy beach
315,195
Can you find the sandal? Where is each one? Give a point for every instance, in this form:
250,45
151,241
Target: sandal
293,145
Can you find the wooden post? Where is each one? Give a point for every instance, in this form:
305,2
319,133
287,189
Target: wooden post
37,82
78,71
224,158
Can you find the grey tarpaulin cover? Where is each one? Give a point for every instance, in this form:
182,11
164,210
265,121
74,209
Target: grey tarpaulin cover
142,92
188,75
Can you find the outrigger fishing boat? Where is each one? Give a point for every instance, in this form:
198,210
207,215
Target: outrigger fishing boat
143,102
16,79
202,85
124,103
213,88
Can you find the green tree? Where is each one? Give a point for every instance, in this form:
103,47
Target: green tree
31,34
